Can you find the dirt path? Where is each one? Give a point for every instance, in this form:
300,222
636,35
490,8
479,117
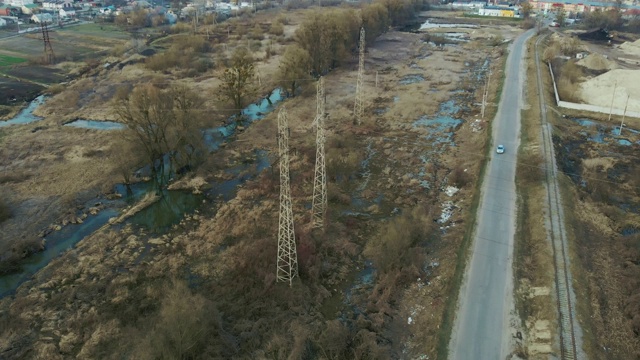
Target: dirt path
570,331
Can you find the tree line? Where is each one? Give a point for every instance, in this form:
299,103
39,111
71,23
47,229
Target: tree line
165,124
326,39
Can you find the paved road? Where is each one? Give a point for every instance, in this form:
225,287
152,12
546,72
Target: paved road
481,330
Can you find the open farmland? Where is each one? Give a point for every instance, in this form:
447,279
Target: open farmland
6,60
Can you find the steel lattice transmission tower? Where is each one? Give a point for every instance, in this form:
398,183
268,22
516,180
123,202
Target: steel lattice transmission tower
48,50
358,107
287,256
319,204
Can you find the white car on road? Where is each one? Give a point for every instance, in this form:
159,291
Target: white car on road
500,149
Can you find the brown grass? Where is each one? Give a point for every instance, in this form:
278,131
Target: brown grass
533,254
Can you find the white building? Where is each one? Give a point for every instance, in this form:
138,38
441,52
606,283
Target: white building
42,18
19,3
67,13
57,4
468,4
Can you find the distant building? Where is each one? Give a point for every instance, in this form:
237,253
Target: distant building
19,3
7,10
580,6
57,4
29,9
497,11
67,13
42,18
468,4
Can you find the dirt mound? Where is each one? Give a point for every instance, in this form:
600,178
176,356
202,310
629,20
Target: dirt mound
599,90
597,62
631,48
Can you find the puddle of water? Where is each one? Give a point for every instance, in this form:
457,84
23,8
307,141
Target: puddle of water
629,230
411,79
25,116
439,124
624,142
342,296
585,122
96,125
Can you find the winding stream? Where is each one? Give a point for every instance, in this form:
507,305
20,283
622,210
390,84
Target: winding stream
160,215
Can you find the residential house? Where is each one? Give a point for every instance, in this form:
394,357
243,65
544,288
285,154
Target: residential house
67,13
579,6
7,10
468,4
19,3
42,18
3,22
497,11
29,9
57,4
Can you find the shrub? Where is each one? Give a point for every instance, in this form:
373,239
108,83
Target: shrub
257,33
276,28
395,246
532,168
55,89
528,23
459,177
568,91
5,211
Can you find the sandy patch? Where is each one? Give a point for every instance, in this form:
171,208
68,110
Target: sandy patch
631,48
597,62
599,90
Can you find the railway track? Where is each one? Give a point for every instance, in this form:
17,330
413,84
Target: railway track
555,229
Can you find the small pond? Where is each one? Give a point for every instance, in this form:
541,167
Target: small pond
25,115
96,125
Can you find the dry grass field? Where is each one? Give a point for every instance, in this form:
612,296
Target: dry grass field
374,284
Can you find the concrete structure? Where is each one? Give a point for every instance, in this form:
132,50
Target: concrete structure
497,11
579,6
57,4
19,3
67,13
3,22
468,4
7,10
42,18
29,9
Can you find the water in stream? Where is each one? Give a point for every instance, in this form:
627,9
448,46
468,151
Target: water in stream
161,214
26,116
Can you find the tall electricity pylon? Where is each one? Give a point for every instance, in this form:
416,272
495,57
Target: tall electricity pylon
287,263
49,57
358,108
319,205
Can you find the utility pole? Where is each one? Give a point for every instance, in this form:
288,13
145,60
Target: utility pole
485,95
48,50
287,262
358,107
623,115
613,97
319,203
